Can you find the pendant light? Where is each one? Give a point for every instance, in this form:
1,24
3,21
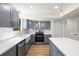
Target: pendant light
61,9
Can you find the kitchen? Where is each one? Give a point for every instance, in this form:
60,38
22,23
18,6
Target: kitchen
39,29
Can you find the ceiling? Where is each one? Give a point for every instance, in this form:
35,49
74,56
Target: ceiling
43,10
37,7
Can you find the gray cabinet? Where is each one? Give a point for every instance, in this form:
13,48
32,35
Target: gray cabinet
0,15
28,44
38,24
29,24
33,38
5,16
8,16
10,52
46,38
14,18
53,50
45,24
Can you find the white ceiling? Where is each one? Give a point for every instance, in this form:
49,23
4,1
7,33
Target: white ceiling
38,7
43,9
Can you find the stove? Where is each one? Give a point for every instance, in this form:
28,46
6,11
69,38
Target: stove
39,37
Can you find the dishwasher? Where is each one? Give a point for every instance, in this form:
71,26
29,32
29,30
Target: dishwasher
21,48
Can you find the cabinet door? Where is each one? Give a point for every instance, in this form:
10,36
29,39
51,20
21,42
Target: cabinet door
46,38
29,24
14,18
28,44
5,15
52,49
59,53
45,24
10,52
32,38
35,24
0,15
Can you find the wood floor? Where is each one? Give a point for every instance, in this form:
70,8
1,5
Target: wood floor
38,50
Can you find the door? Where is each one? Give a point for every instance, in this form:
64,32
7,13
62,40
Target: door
71,27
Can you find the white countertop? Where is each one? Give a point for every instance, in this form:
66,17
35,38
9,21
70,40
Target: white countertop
9,38
9,43
67,46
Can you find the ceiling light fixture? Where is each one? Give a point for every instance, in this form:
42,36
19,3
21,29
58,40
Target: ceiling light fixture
56,7
31,7
61,11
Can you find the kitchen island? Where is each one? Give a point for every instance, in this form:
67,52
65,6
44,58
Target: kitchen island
63,47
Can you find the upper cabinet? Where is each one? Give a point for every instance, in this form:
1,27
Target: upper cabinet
29,24
8,16
0,15
15,21
5,16
45,24
38,24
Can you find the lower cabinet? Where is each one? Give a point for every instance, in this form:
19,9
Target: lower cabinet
28,44
32,39
53,50
10,52
46,38
19,49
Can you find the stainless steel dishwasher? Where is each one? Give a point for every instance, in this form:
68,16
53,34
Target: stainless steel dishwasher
21,48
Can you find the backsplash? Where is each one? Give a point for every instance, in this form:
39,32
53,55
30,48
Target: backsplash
33,31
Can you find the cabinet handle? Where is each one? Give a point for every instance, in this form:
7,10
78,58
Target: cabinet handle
20,45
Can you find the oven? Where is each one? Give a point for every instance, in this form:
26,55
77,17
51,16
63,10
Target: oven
39,37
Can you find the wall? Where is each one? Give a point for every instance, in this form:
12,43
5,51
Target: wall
72,27
57,28
24,26
67,8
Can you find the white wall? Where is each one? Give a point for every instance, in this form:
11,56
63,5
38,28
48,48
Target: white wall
52,27
72,27
24,24
57,28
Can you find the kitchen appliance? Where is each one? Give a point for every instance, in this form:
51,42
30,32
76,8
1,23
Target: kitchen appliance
21,48
39,37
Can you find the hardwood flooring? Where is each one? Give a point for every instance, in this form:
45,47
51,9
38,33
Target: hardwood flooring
38,50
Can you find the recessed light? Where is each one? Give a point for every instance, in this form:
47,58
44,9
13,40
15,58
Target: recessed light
61,14
31,7
56,7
